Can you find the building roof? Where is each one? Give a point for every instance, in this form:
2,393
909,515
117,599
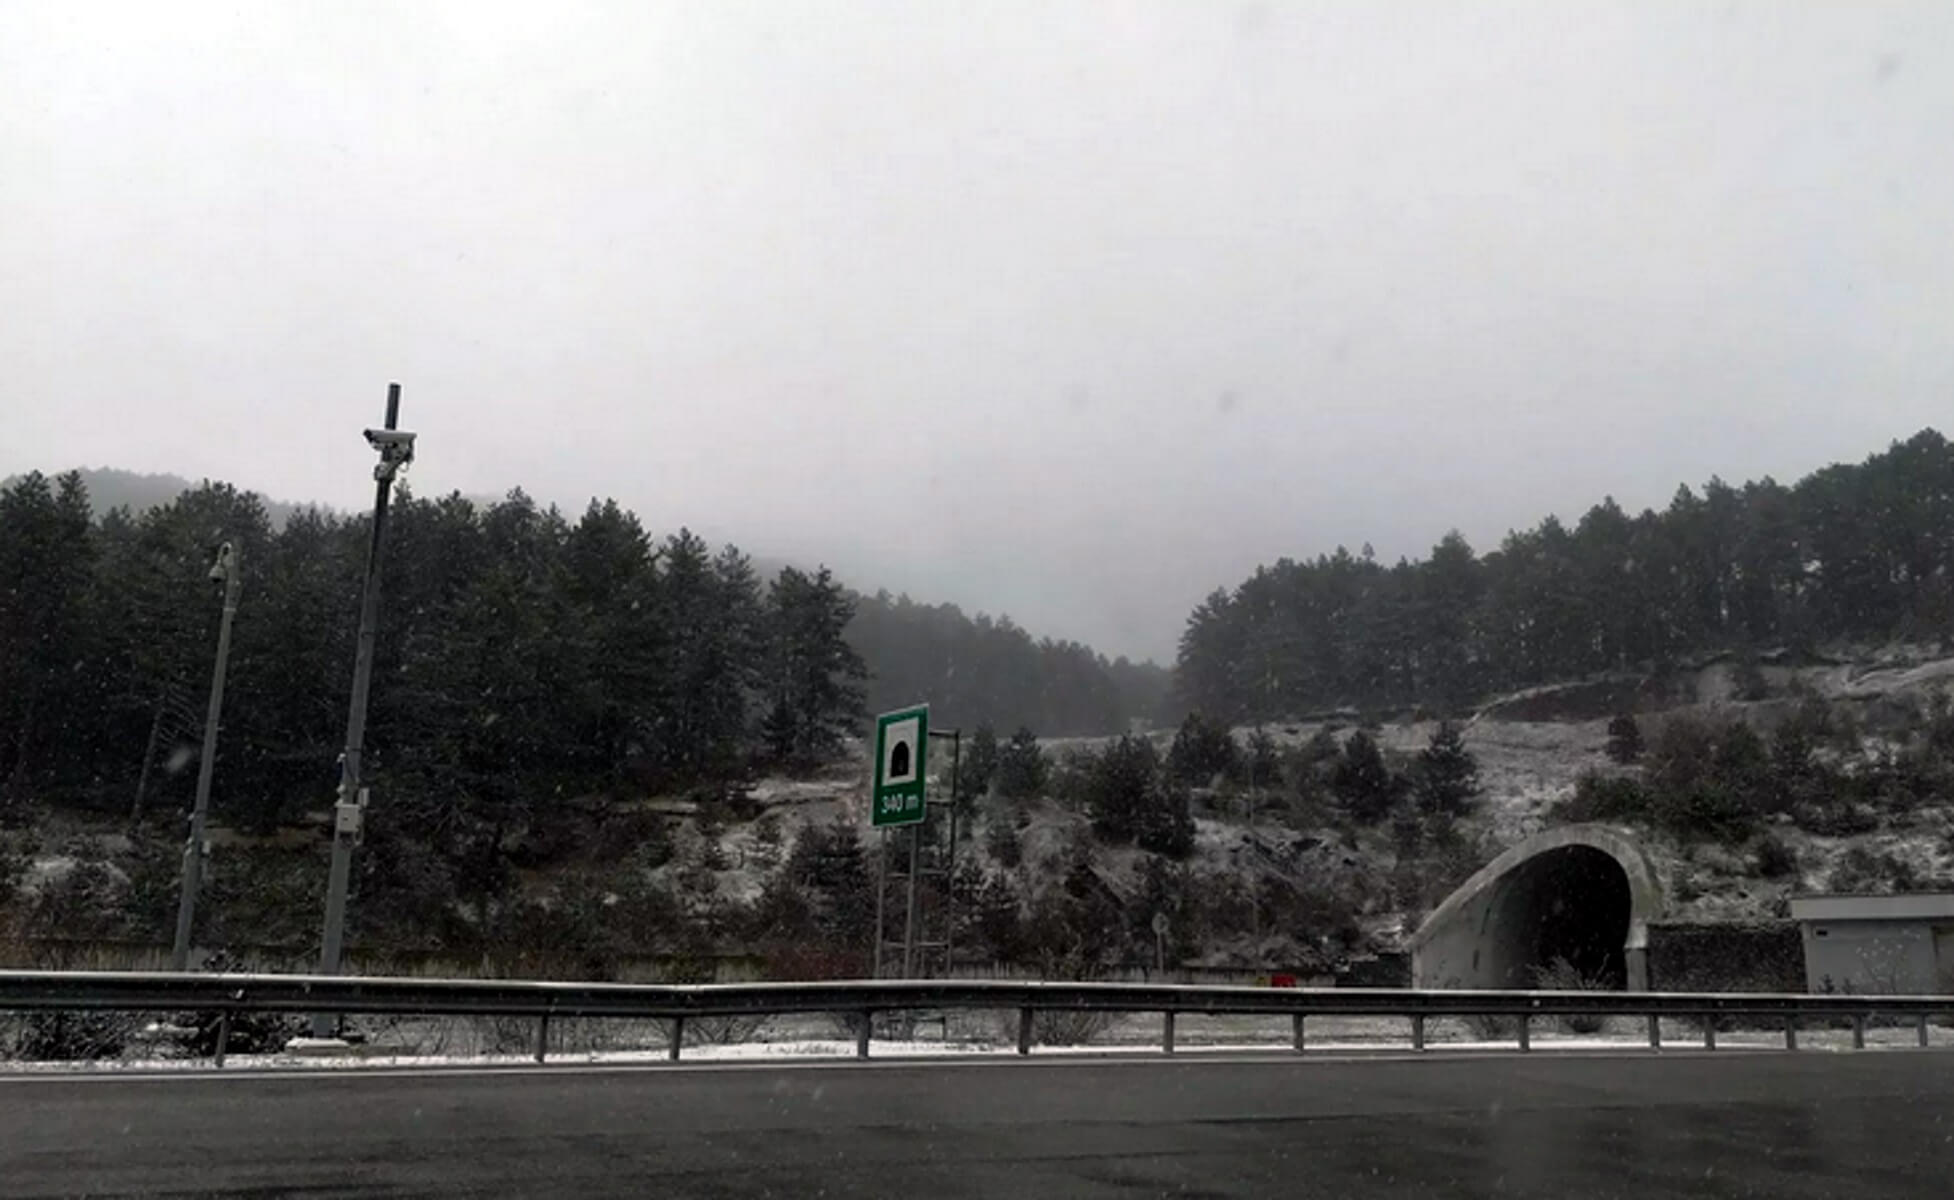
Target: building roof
1916,906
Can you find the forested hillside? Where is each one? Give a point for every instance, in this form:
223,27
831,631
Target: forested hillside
533,653
1849,552
521,655
547,694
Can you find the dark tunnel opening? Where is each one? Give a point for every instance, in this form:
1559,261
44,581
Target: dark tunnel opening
1572,903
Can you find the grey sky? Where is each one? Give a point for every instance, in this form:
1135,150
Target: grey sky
1073,311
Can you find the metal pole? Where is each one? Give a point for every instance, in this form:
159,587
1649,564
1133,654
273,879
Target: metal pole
909,916
346,813
950,859
193,850
881,896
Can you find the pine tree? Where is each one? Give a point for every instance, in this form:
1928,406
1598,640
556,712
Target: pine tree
1122,788
979,767
815,676
1201,752
1624,739
829,865
46,560
1363,783
1166,824
1021,766
1448,775
998,918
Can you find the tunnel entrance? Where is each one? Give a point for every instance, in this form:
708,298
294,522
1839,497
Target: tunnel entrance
1580,893
1569,905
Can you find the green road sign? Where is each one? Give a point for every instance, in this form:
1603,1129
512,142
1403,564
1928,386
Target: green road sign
902,740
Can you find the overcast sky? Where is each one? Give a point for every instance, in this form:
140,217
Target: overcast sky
1075,311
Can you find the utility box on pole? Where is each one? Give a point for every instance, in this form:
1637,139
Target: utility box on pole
396,449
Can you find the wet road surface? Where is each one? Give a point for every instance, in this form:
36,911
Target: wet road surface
1630,1125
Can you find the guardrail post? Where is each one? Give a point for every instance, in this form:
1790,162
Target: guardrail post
1417,1031
1859,1031
542,1037
1167,1032
678,1038
1920,1027
1791,1033
1655,1032
1024,1030
861,1037
1709,1031
1296,1031
224,1035
1526,1031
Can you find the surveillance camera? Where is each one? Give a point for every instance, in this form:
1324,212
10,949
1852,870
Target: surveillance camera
221,569
388,439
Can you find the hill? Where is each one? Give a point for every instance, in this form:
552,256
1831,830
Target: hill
1860,553
1829,774
601,753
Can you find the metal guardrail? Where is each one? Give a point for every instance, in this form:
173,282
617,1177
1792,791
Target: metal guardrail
227,995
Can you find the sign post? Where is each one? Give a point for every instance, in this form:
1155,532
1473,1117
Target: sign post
898,797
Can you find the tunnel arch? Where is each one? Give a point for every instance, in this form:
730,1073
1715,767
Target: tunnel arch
1582,892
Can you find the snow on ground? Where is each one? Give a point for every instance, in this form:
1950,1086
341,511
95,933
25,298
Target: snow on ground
1625,1035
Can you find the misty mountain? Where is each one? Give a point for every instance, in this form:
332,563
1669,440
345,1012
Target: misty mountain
110,487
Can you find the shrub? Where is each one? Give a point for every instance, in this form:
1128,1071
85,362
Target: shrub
1748,678
251,1032
1776,858
1488,1028
1864,871
722,1031
1058,1027
1709,810
1003,842
1835,818
637,833
1606,798
1562,975
61,1036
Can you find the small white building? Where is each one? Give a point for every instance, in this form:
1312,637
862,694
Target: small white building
1878,945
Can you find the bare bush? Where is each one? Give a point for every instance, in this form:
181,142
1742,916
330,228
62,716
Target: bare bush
1060,1026
723,1031
58,1036
1563,976
1488,1028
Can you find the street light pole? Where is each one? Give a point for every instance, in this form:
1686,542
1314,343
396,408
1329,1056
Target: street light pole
227,571
396,451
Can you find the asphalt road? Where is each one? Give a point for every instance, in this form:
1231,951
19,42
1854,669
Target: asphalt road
1873,1124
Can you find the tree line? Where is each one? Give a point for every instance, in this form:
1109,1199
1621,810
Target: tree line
514,644
518,651
1848,552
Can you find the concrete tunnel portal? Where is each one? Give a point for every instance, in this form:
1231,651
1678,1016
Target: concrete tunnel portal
1582,893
